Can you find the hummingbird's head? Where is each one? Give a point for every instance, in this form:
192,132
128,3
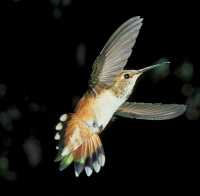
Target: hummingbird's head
125,81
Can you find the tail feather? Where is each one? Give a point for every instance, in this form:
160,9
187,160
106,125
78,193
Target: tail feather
91,157
100,152
91,151
78,168
88,155
95,164
79,164
66,161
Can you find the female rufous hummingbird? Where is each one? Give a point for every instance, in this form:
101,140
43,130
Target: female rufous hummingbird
109,88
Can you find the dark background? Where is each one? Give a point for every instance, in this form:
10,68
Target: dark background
48,48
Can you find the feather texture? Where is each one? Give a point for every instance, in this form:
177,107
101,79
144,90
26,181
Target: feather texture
115,53
150,111
88,158
79,144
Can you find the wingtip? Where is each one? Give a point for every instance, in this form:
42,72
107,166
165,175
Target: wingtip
181,109
139,18
134,20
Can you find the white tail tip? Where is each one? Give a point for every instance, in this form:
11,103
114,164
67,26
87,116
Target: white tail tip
88,171
76,174
57,136
63,118
102,160
96,166
59,126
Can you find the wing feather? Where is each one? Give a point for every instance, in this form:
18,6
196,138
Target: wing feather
150,111
115,53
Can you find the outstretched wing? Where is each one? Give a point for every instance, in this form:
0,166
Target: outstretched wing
150,111
115,53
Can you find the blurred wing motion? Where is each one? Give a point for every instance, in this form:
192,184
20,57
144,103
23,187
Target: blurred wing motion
150,111
115,53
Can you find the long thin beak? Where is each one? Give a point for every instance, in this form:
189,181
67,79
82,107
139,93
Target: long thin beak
140,71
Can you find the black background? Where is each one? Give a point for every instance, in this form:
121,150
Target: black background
39,64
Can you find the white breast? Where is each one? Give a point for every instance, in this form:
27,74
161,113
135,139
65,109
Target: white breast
105,106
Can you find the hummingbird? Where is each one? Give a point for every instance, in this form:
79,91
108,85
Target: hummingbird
110,85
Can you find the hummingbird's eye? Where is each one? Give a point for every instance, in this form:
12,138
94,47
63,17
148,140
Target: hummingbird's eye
126,76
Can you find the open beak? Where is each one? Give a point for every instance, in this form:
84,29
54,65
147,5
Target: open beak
140,71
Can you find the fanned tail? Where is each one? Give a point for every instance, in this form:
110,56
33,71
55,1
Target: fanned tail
80,146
